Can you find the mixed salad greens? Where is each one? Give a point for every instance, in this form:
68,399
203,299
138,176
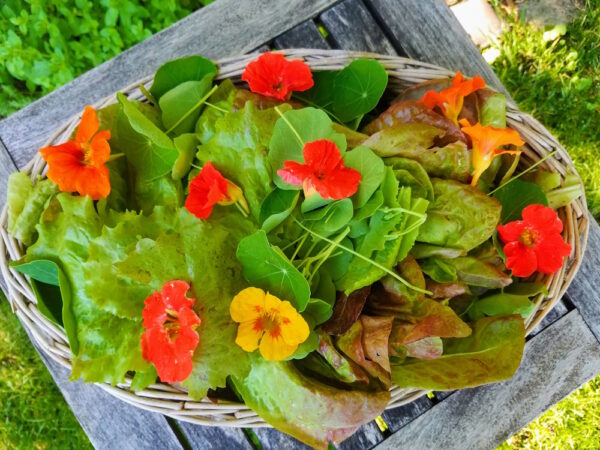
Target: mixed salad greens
304,245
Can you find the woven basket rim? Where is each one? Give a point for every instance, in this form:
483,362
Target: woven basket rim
173,400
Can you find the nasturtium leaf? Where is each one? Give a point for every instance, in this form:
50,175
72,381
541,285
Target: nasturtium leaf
40,269
183,101
186,145
321,94
329,219
177,71
268,269
308,346
358,88
516,195
337,264
311,124
49,301
461,216
26,203
146,146
492,353
328,413
238,150
325,289
501,304
475,272
318,310
312,202
371,170
528,289
276,207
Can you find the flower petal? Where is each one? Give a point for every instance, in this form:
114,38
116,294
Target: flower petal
294,173
274,348
88,126
543,218
93,181
206,189
248,335
550,251
511,231
100,149
297,76
174,295
154,311
293,328
247,305
341,183
520,259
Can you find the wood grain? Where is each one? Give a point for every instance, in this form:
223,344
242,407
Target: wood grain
555,362
304,35
584,292
352,27
224,28
398,417
214,438
427,30
271,439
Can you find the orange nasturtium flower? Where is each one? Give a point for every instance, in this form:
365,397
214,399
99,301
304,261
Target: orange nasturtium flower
451,99
487,144
262,315
78,166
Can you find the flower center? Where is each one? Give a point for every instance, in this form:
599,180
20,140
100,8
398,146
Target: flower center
172,324
270,322
528,237
87,154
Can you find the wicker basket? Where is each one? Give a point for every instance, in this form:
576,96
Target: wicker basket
173,400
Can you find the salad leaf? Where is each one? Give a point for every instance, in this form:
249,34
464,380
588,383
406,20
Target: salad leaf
222,98
238,150
345,369
346,311
181,101
403,139
276,207
329,219
321,94
147,147
267,268
411,174
357,88
163,191
177,71
492,353
40,269
516,195
426,348
26,202
186,145
461,216
476,272
501,304
371,170
311,124
439,270
328,413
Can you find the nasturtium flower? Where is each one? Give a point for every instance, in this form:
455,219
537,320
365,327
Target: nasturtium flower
265,318
170,337
78,166
274,76
208,188
324,172
450,100
534,243
487,143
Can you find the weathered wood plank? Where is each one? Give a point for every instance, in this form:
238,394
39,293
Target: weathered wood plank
7,166
109,422
214,438
584,292
271,439
398,417
559,310
428,31
351,27
556,361
224,28
304,35
365,437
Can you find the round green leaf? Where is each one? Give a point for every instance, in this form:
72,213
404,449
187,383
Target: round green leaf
173,73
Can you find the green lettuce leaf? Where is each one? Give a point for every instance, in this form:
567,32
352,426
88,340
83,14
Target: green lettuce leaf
461,216
222,98
320,412
492,353
238,150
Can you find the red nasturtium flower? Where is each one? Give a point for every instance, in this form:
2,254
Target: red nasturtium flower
534,243
78,166
208,188
451,99
170,337
324,171
487,144
274,76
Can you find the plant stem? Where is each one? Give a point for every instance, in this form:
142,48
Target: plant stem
299,246
291,126
192,109
115,156
368,260
529,169
223,110
328,253
148,95
238,206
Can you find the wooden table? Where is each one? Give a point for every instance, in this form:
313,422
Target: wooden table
562,354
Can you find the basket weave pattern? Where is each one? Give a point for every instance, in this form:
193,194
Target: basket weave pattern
173,400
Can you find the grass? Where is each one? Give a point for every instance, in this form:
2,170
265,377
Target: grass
554,74
33,413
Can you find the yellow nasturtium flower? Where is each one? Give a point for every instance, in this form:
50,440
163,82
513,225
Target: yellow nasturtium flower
487,144
265,318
